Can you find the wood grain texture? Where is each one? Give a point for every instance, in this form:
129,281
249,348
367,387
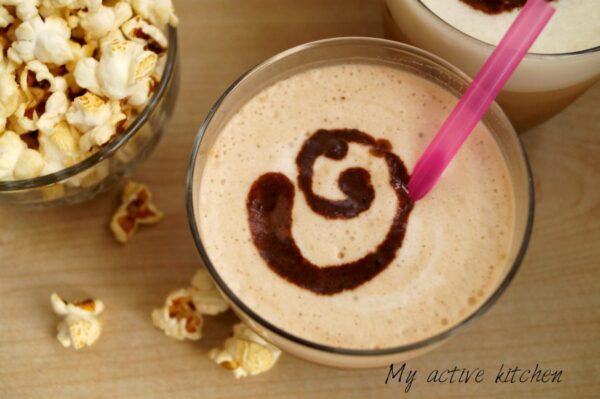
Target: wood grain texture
550,315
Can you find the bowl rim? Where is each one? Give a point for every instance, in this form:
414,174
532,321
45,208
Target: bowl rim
353,352
108,150
491,47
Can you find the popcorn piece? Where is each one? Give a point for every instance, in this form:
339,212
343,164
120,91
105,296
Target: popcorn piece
72,21
56,109
136,209
179,318
80,326
158,12
138,30
29,165
5,17
36,75
53,191
24,119
93,175
104,20
9,91
25,9
206,297
79,52
122,66
161,64
59,148
35,81
97,119
46,41
88,112
127,152
45,101
34,93
102,134
91,5
11,148
245,353
141,93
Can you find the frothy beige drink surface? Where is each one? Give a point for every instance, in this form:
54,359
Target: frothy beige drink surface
456,242
574,27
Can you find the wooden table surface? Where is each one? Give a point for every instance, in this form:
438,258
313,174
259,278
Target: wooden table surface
550,315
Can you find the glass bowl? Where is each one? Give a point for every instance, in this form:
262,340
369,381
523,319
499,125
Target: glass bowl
106,167
352,50
541,86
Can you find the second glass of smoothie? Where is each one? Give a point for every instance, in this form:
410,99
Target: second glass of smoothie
562,64
297,202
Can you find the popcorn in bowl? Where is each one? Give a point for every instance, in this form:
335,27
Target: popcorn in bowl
43,40
101,21
157,12
80,326
83,71
10,97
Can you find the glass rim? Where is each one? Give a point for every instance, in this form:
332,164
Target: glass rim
251,314
492,46
108,150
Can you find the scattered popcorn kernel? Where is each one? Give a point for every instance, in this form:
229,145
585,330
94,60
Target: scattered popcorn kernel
80,326
185,307
206,297
136,209
179,318
245,353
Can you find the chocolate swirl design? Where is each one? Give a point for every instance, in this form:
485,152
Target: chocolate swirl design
271,199
496,6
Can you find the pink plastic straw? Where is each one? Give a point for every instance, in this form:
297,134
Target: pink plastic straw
479,96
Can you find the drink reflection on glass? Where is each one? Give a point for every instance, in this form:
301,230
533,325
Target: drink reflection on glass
562,64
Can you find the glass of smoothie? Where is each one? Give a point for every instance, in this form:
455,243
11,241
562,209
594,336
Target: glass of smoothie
562,64
297,203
